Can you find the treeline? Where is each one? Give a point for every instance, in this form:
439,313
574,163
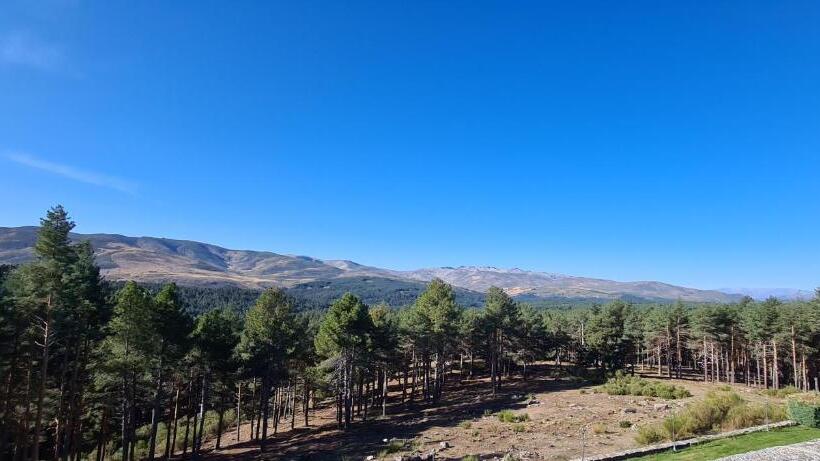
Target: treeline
198,300
130,372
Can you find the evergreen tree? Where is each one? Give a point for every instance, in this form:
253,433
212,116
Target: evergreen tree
344,338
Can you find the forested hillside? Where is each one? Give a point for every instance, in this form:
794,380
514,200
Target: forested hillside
135,372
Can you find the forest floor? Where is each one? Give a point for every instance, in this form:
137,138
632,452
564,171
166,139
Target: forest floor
565,417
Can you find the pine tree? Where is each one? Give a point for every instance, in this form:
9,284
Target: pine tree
267,345
344,338
500,316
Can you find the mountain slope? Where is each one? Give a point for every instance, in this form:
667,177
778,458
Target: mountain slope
518,282
150,259
157,260
763,293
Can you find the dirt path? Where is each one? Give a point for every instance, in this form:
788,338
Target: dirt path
564,418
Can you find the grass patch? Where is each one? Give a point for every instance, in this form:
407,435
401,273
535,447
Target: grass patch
740,444
394,446
465,424
470,458
781,393
718,411
507,416
623,384
518,427
599,428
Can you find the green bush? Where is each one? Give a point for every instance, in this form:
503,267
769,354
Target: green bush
507,416
805,409
623,384
752,415
649,434
624,424
717,411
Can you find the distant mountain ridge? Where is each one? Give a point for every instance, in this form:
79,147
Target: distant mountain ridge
518,282
157,260
763,293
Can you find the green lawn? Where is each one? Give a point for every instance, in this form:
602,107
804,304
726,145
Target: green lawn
740,444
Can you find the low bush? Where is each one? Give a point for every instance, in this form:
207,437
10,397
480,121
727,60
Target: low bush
507,416
805,409
717,411
623,384
649,434
394,446
465,424
625,424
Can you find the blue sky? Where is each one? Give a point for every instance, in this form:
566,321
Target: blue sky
673,141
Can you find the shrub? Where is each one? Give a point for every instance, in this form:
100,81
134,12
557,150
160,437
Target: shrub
781,393
625,424
465,424
393,446
470,458
518,427
599,428
718,410
507,416
649,434
805,409
752,415
622,384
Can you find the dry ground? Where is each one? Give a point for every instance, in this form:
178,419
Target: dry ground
565,417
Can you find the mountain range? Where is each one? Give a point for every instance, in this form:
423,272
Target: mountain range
157,260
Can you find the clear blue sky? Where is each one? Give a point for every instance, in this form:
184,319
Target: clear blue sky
673,141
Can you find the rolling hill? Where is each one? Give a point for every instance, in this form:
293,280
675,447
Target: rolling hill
157,260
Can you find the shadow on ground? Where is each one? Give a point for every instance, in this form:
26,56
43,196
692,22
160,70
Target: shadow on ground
460,402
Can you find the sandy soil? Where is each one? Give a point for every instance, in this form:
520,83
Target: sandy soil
565,417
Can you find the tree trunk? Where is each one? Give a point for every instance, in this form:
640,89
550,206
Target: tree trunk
238,410
172,443
264,406
705,367
794,360
202,402
776,370
220,419
41,392
155,407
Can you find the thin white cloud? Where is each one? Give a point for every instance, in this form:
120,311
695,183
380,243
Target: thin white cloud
88,177
24,49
